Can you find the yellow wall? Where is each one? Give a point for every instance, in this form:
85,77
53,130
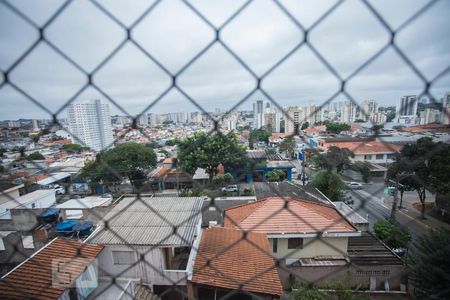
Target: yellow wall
312,247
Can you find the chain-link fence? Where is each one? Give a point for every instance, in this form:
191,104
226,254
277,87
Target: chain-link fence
178,225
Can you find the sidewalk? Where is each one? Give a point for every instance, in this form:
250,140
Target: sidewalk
409,198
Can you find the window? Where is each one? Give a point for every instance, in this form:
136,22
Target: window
27,242
295,243
211,208
390,156
274,245
379,156
123,257
368,157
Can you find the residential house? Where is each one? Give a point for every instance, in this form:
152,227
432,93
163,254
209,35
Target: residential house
63,269
233,265
310,241
151,240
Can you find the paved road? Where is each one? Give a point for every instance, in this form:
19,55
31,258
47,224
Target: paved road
374,207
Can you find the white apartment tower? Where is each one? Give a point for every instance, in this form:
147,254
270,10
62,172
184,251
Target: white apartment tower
90,124
368,109
258,114
348,112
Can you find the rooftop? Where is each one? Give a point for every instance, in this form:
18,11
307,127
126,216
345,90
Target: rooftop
367,147
368,250
235,261
151,221
33,278
287,189
262,154
277,215
27,198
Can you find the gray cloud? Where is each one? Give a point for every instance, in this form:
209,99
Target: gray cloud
261,35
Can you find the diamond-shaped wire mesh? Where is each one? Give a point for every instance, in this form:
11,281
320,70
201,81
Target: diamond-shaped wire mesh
130,37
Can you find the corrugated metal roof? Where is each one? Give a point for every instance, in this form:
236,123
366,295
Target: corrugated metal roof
53,178
151,221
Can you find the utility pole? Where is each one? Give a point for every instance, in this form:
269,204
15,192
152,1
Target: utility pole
394,203
303,166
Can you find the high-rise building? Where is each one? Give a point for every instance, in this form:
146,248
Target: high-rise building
445,116
293,119
142,120
348,112
258,114
90,124
406,107
34,126
368,109
153,119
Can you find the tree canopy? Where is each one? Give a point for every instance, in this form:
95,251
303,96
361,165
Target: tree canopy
209,151
288,146
392,233
35,156
429,265
335,158
329,183
130,161
74,148
421,166
276,175
334,127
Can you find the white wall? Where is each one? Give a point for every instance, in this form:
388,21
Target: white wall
148,270
327,246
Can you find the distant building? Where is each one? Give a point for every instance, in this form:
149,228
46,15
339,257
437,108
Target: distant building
142,120
348,112
368,109
258,114
430,115
294,118
272,121
406,109
90,123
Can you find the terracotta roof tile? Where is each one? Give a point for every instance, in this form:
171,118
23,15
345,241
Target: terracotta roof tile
271,215
366,147
235,261
33,278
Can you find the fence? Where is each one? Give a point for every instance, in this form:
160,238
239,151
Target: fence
90,71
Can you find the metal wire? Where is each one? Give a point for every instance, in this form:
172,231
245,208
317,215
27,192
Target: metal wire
259,86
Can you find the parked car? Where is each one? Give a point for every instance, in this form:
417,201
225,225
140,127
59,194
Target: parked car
60,190
302,176
354,185
230,188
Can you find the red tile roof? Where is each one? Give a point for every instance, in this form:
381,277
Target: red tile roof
371,147
235,261
272,215
33,278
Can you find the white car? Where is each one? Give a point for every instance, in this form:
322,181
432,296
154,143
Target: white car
60,190
354,185
230,188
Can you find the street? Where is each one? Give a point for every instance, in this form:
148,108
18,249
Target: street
371,203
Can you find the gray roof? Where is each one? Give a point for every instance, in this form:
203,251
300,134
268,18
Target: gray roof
151,221
287,189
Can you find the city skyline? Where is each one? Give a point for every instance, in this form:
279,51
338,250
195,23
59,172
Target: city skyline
126,77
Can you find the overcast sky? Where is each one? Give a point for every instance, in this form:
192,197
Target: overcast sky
261,35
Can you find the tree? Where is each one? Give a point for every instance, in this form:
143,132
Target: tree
2,169
335,158
305,125
2,151
276,175
429,265
392,233
308,292
329,183
171,142
222,179
124,161
74,148
259,135
35,156
288,146
209,151
333,127
362,167
414,165
377,128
